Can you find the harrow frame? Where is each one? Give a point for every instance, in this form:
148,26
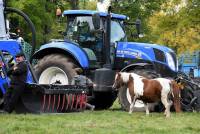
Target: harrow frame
52,98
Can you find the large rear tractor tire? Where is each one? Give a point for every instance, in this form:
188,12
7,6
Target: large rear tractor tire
125,98
55,68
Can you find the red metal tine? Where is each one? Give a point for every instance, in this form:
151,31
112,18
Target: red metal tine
43,104
68,102
49,102
54,99
77,101
63,102
72,101
81,101
58,104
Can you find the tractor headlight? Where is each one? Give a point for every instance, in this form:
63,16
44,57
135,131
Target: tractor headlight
171,62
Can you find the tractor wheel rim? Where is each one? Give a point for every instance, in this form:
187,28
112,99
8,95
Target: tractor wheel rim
138,103
53,75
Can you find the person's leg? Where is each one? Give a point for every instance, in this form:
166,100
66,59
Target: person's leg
7,97
16,93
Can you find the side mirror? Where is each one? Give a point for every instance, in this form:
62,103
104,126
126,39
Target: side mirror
96,21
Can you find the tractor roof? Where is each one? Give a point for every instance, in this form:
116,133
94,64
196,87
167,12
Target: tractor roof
90,12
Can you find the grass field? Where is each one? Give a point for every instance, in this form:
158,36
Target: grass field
112,121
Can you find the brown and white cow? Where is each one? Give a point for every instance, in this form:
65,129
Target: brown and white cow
149,90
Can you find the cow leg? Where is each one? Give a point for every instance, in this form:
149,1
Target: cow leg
166,104
132,105
147,108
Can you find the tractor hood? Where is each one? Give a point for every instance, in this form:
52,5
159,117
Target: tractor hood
140,50
146,51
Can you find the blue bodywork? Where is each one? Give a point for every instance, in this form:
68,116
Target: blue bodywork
73,49
144,51
12,47
90,12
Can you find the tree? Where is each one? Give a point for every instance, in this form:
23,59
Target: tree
137,9
43,17
179,27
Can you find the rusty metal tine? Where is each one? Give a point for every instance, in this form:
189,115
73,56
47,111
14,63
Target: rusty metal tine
58,104
54,99
44,99
63,102
72,101
49,102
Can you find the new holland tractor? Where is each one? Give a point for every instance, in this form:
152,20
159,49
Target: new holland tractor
95,46
37,98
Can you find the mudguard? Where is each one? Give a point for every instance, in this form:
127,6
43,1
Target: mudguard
66,48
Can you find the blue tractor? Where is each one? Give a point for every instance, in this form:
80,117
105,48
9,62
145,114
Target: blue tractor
95,46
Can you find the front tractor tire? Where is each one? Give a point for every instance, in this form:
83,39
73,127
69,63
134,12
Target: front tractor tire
55,69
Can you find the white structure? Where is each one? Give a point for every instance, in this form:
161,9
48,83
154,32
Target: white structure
103,5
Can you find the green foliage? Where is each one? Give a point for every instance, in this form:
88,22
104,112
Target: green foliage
42,13
177,28
138,9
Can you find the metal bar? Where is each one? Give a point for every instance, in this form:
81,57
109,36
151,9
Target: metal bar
72,102
81,101
77,101
85,101
54,99
63,102
49,103
68,101
43,105
58,104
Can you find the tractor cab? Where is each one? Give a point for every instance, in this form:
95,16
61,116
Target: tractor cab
81,29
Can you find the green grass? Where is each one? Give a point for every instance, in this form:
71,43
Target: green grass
112,121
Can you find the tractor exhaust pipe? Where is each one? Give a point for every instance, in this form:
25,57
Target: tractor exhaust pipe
107,39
